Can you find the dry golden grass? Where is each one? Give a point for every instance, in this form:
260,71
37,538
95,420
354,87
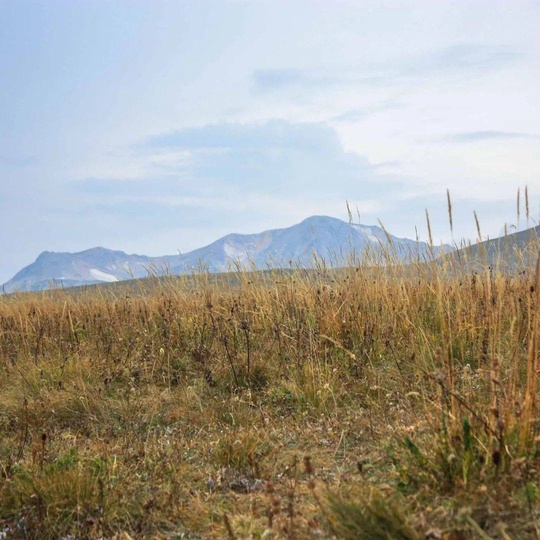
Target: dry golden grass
360,403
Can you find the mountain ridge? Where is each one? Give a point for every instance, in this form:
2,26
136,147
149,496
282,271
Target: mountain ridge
320,237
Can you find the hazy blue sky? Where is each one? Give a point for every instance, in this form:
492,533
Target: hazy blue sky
157,126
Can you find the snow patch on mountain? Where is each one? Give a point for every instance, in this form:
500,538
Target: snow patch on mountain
102,276
367,231
236,254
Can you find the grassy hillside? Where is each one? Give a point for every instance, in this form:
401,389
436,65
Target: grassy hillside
365,404
511,251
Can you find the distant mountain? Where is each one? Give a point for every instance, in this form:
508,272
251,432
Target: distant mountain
94,265
317,237
325,238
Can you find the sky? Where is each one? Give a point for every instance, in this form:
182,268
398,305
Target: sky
156,127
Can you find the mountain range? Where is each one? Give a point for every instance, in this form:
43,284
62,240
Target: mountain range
315,239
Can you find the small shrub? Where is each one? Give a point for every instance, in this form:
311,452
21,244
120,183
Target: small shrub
243,451
374,517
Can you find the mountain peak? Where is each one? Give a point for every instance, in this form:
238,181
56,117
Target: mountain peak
44,255
98,250
321,220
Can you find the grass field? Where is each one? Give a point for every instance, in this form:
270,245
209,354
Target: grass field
392,404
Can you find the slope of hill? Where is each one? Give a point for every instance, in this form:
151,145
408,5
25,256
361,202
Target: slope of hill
519,249
316,238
